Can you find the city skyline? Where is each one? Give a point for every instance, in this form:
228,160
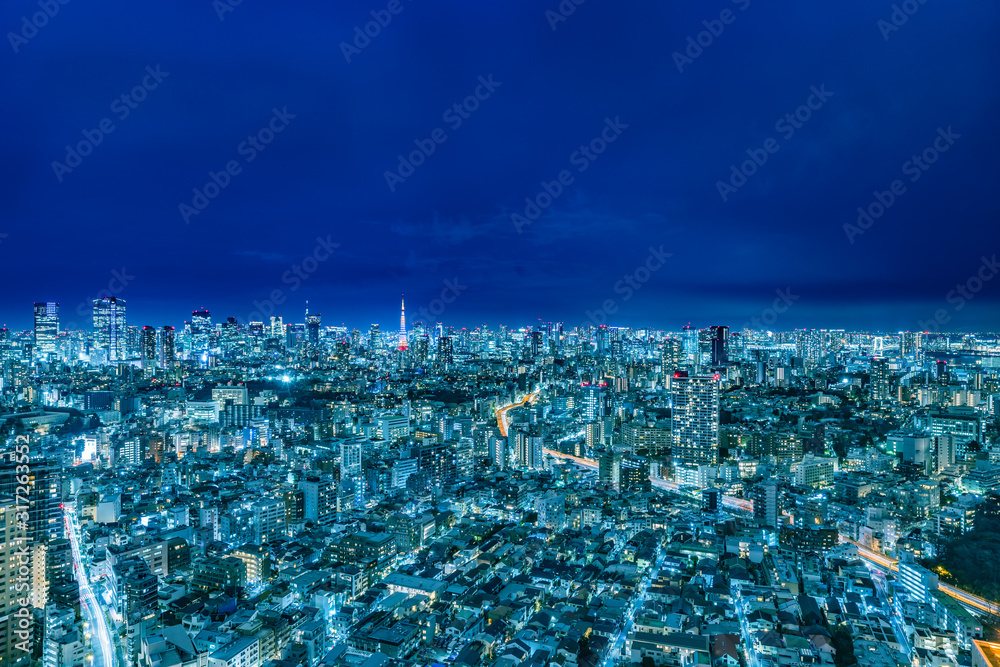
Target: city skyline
85,323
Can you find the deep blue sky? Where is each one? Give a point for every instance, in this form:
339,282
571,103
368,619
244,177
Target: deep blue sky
323,176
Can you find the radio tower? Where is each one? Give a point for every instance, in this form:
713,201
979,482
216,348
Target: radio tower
403,345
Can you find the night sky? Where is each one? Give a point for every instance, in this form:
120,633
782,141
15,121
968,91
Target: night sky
643,126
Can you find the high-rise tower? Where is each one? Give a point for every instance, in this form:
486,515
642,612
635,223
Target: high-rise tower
147,348
109,326
313,323
201,330
46,327
695,419
403,344
879,373
167,351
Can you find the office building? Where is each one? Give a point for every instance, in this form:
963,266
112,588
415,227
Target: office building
313,324
46,328
147,348
167,350
110,327
445,351
201,332
719,345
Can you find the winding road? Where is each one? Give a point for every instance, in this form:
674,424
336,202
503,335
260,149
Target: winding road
90,605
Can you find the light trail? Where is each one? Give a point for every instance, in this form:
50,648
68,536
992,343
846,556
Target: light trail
892,564
502,412
731,502
91,605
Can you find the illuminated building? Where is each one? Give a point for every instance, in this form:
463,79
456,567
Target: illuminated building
167,353
879,371
403,344
147,348
695,419
109,326
445,354
46,327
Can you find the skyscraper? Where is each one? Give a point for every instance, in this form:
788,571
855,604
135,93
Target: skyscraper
420,349
229,337
536,343
942,371
147,348
444,353
46,327
720,345
879,371
109,326
672,355
592,402
277,329
44,480
201,331
689,337
695,419
911,342
167,355
12,541
313,323
528,450
403,344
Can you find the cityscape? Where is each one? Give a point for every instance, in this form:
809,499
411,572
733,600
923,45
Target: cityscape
533,333
294,494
